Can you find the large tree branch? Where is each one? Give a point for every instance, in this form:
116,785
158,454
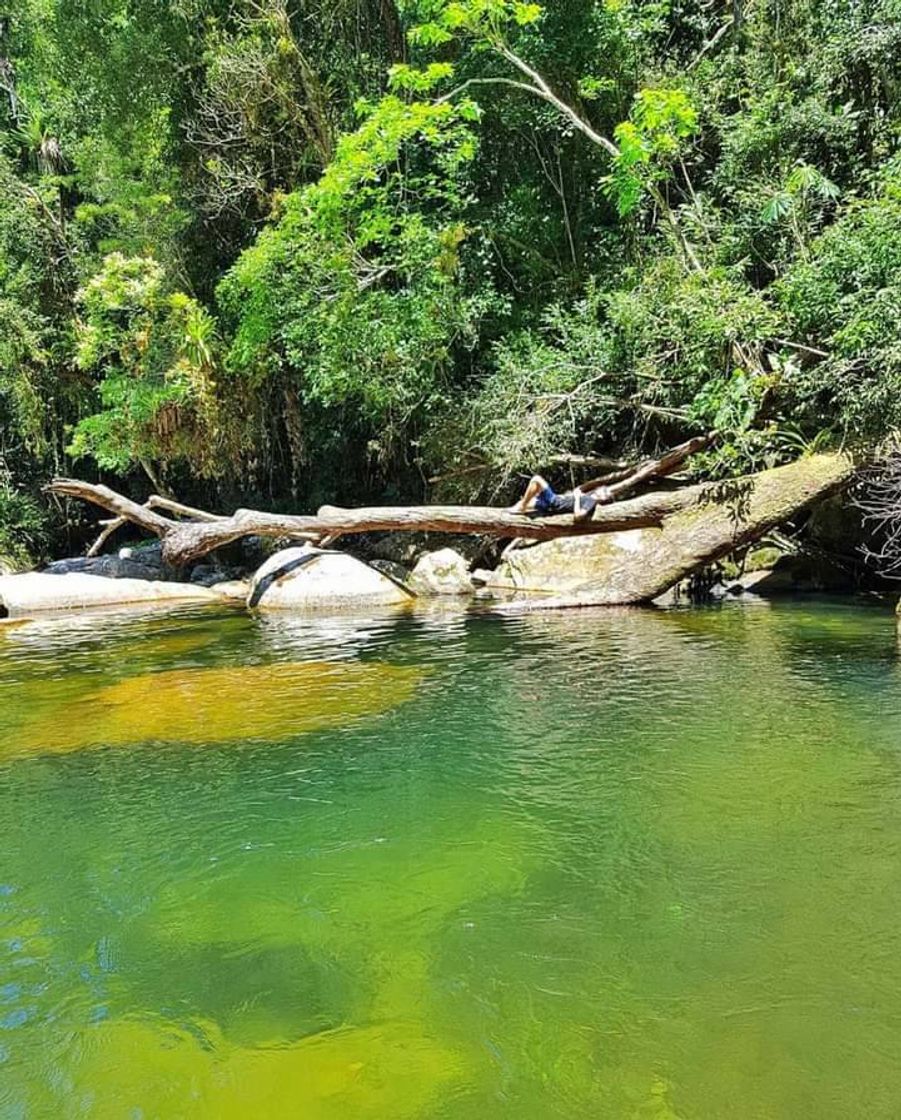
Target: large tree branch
111,500
184,542
538,87
541,88
155,501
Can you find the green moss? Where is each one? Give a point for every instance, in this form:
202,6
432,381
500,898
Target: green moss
755,560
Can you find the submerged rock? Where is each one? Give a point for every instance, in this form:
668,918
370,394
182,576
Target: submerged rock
30,592
444,572
309,577
639,565
203,706
373,1072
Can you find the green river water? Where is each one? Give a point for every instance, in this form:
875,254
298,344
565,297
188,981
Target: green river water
452,866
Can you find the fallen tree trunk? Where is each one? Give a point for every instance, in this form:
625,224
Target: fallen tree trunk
682,529
714,519
185,541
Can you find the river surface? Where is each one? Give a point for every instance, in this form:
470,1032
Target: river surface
452,866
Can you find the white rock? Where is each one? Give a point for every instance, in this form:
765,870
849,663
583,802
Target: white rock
21,595
296,578
444,572
233,590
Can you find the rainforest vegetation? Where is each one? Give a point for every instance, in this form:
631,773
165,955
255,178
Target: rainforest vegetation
277,252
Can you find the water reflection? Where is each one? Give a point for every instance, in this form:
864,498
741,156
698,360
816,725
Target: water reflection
324,636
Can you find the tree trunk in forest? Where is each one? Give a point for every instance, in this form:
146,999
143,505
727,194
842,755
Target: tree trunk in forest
393,28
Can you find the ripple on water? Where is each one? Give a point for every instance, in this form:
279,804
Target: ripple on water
607,863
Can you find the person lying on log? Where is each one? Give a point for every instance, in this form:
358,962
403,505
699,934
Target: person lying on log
541,498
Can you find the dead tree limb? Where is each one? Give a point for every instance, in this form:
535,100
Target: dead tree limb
114,503
185,541
620,467
155,501
878,501
111,525
620,483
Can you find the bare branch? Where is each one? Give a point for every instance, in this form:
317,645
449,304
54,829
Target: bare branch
711,43
667,464
878,499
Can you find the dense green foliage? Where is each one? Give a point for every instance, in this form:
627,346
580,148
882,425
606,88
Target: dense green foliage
291,251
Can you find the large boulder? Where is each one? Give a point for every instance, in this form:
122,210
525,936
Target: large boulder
407,548
31,592
639,565
208,575
144,561
444,572
569,564
296,578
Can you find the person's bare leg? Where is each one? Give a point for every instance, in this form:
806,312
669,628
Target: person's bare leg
583,505
531,492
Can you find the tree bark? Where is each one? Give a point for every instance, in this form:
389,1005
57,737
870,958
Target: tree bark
184,542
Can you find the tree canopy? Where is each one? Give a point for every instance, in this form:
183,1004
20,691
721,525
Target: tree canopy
294,251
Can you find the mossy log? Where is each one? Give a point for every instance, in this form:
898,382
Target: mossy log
713,520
